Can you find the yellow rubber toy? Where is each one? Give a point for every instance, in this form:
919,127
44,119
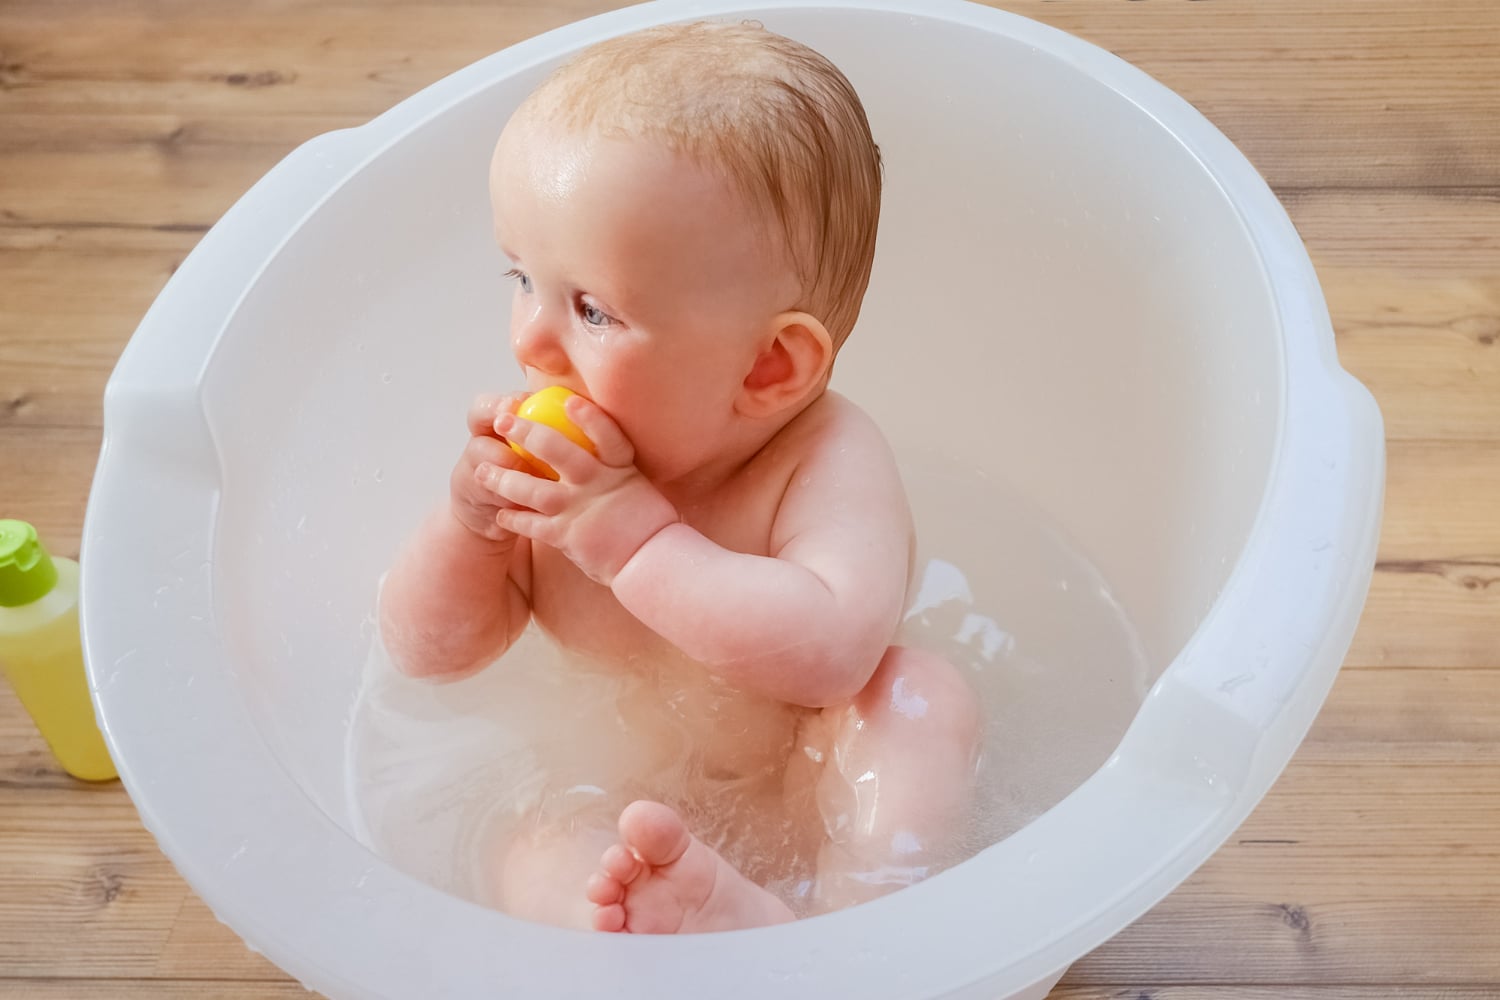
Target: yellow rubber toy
546,407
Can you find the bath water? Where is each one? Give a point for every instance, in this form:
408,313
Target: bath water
440,775
1006,596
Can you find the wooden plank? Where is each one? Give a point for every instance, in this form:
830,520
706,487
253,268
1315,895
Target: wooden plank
1368,94
164,172
1435,597
1396,933
1428,349
270,57
1393,711
1412,283
86,891
1374,860
1434,235
1440,505
1427,614
47,477
1375,871
155,989
64,318
1339,802
200,947
85,237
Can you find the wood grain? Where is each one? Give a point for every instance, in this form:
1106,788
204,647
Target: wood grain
165,172
1441,500
1351,93
150,989
1372,991
1370,872
1430,614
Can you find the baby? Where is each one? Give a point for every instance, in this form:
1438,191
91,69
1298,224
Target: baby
690,212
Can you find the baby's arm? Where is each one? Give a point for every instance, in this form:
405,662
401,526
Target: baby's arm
807,624
456,598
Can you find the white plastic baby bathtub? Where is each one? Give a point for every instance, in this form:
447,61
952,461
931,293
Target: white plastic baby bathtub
1119,318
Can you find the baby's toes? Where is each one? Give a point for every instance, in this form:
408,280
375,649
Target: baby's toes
620,864
604,889
610,919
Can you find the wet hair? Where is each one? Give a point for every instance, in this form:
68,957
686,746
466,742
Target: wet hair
780,121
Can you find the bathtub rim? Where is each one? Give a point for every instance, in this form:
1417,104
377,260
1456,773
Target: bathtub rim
287,873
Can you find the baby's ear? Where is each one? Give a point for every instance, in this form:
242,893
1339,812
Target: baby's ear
795,356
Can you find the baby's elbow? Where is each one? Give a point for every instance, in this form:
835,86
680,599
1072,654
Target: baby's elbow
433,670
840,677
430,658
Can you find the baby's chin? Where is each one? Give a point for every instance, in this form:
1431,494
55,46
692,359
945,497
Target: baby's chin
667,457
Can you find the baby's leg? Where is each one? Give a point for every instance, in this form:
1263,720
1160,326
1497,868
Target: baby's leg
898,785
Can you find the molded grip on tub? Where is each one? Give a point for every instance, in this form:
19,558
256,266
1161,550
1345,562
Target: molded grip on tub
548,408
153,411
1284,622
172,344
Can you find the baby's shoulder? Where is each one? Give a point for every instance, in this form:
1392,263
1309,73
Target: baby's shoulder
833,425
835,443
842,476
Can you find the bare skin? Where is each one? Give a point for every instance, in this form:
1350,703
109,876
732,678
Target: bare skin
741,530
660,879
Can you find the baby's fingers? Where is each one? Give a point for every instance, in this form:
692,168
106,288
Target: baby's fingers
523,489
481,450
527,523
546,446
611,445
486,409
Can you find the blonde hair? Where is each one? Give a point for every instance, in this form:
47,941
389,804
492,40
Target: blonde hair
779,119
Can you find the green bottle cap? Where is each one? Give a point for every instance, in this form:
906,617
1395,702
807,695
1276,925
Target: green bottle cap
26,570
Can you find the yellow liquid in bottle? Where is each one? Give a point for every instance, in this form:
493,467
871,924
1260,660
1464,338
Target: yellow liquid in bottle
42,658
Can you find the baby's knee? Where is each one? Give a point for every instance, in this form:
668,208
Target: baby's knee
921,686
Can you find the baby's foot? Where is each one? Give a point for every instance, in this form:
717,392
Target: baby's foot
663,880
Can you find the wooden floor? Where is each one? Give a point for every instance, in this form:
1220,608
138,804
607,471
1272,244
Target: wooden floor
1372,870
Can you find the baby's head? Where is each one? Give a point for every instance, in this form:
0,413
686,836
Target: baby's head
712,178
776,118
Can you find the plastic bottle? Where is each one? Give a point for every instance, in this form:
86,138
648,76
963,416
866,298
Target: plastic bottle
41,653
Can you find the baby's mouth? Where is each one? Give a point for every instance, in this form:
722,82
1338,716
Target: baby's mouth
536,385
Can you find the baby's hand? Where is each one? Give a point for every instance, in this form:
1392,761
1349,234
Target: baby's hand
474,505
599,511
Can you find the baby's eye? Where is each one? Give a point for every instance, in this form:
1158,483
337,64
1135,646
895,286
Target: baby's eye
593,315
522,277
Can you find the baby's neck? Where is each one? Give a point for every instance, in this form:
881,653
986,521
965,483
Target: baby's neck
707,480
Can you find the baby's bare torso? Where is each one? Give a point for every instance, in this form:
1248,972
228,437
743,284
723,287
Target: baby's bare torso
733,733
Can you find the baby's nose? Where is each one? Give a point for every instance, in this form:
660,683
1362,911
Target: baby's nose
536,344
